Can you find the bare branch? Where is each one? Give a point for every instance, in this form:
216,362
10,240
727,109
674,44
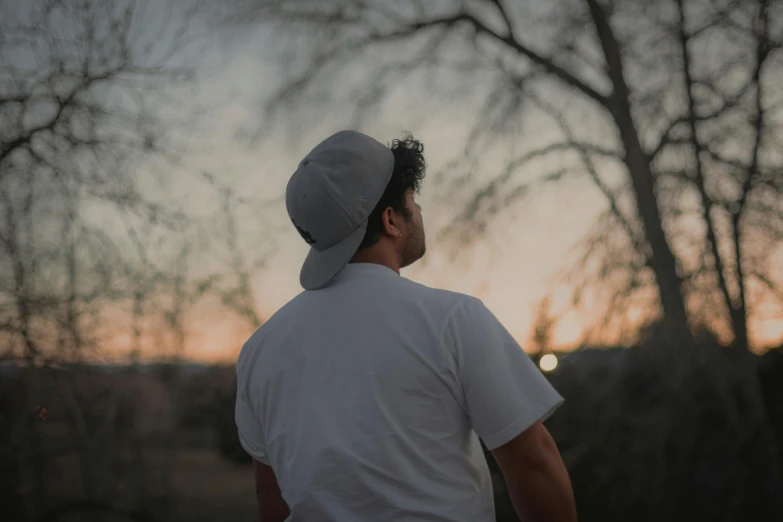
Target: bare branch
699,177
506,19
548,64
406,31
585,151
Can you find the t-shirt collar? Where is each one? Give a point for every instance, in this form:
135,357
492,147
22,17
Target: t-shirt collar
352,269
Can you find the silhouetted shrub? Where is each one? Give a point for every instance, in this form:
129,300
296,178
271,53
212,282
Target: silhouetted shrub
678,434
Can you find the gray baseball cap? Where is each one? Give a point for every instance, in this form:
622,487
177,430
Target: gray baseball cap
331,195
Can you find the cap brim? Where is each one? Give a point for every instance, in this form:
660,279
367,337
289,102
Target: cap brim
321,267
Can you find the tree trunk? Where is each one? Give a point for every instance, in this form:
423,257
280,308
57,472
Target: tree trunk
739,320
661,259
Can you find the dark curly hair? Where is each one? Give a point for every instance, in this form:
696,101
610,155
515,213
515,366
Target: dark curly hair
408,173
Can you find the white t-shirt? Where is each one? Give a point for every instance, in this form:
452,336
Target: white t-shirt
367,399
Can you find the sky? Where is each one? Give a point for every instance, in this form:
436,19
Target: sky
511,269
520,260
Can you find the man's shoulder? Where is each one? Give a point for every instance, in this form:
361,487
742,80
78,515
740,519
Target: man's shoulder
403,294
285,312
279,318
445,300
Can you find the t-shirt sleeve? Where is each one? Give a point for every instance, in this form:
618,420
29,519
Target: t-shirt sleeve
251,435
502,390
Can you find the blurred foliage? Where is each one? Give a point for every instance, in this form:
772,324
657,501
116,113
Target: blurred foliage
677,440
208,402
643,439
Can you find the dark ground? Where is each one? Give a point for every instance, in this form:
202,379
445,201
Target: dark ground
685,441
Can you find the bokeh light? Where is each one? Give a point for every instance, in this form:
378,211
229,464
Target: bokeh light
548,362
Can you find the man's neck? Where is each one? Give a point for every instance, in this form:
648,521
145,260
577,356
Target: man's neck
379,256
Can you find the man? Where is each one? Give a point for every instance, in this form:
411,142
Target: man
363,399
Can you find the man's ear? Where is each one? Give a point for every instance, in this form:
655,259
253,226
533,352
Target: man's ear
391,222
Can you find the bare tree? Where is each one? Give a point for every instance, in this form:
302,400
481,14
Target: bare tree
234,284
87,108
544,322
670,108
77,109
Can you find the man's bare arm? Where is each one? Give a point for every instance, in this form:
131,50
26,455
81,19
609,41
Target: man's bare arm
271,505
536,477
